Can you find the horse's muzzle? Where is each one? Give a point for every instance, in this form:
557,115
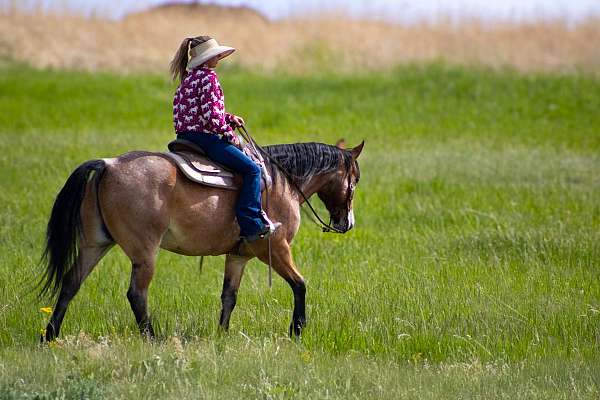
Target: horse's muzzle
345,223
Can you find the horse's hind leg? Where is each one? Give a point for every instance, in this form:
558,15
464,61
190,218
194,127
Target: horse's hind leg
142,253
141,275
140,243
87,259
234,269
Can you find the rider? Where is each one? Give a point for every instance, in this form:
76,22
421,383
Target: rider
199,116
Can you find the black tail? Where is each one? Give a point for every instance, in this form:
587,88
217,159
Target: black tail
64,227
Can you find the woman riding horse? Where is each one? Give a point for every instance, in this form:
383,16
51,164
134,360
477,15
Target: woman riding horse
143,202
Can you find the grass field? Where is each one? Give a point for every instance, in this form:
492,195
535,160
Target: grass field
472,271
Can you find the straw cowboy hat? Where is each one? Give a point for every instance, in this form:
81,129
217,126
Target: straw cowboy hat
205,51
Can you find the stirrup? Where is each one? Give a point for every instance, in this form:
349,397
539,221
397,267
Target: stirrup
269,229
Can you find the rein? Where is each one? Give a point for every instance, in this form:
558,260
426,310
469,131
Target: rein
325,227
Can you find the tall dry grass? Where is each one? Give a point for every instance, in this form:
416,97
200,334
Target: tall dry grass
147,41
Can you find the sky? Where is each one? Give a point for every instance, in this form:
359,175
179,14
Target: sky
400,10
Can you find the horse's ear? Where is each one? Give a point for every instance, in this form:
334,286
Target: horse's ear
341,144
357,150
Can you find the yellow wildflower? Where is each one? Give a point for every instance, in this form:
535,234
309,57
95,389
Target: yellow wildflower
47,310
306,357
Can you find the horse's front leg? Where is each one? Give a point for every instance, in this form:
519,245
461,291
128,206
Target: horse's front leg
283,264
299,315
234,269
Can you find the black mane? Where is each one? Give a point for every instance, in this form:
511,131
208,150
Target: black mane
302,161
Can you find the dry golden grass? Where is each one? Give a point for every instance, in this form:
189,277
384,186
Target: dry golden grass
148,40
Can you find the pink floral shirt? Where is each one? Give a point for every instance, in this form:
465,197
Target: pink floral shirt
199,105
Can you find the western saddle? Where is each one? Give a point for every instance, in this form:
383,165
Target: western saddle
193,162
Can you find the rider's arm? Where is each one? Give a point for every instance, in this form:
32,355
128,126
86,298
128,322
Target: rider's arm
213,110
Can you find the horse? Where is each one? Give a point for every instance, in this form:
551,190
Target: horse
141,202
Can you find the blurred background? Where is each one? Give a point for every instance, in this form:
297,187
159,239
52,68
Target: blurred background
304,36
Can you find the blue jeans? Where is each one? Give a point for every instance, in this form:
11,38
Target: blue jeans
247,207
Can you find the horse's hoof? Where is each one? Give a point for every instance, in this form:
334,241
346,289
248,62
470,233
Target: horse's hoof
47,339
295,331
147,332
49,334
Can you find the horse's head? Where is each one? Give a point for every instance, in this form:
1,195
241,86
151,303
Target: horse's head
337,193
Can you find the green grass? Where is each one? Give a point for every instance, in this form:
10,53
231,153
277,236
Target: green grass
472,272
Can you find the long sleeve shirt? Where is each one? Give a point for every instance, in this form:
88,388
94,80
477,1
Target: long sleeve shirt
199,105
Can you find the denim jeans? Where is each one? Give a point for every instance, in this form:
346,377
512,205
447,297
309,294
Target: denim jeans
247,207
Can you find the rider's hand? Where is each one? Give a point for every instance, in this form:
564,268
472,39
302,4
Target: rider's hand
235,140
236,121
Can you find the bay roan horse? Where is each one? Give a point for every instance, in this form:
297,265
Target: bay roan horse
142,202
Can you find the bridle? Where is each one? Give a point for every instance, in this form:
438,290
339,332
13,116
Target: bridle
324,226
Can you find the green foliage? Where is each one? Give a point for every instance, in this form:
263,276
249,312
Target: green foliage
472,271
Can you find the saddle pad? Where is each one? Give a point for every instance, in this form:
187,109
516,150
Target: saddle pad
200,169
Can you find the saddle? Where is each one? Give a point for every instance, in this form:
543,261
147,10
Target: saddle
196,166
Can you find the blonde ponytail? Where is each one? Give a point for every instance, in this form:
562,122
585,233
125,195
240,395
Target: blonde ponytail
179,62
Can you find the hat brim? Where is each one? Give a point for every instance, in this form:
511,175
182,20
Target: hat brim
221,51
